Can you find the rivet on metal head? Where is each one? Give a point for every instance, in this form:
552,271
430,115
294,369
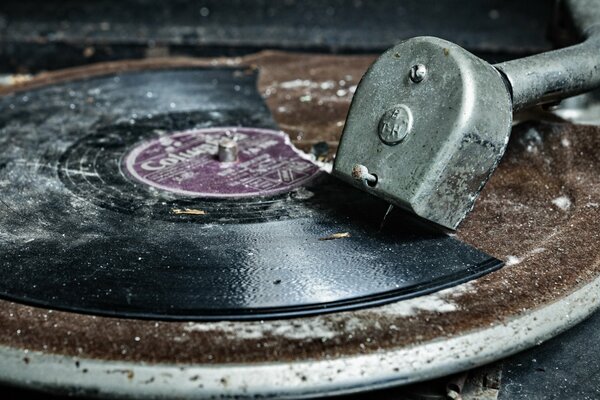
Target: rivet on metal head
228,150
418,73
395,124
361,173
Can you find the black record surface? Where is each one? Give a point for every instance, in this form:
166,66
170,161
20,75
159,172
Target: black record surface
76,233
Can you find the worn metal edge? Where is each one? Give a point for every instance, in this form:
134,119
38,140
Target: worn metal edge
299,379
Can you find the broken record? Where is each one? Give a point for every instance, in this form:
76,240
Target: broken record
114,202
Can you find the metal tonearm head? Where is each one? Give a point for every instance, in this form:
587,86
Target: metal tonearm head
430,121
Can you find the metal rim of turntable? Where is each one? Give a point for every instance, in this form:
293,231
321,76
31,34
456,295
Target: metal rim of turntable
301,379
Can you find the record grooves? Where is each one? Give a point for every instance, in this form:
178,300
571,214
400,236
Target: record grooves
80,233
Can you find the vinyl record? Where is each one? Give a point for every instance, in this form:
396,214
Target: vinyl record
113,201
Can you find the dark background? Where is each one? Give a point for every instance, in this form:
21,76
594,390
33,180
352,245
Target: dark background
52,34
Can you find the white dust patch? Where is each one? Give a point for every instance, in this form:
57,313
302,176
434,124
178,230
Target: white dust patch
459,290
326,166
341,92
440,302
305,83
512,260
562,202
316,329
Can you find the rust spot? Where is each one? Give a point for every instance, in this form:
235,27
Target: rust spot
356,172
446,51
128,372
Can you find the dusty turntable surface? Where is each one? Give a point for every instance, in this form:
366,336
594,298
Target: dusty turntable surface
539,214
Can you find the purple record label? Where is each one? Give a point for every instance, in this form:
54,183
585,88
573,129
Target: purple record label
187,163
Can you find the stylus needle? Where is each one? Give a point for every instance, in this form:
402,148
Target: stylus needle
389,210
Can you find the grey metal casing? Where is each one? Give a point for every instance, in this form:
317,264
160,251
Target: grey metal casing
461,115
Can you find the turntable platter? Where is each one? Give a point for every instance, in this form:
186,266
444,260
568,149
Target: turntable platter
539,213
